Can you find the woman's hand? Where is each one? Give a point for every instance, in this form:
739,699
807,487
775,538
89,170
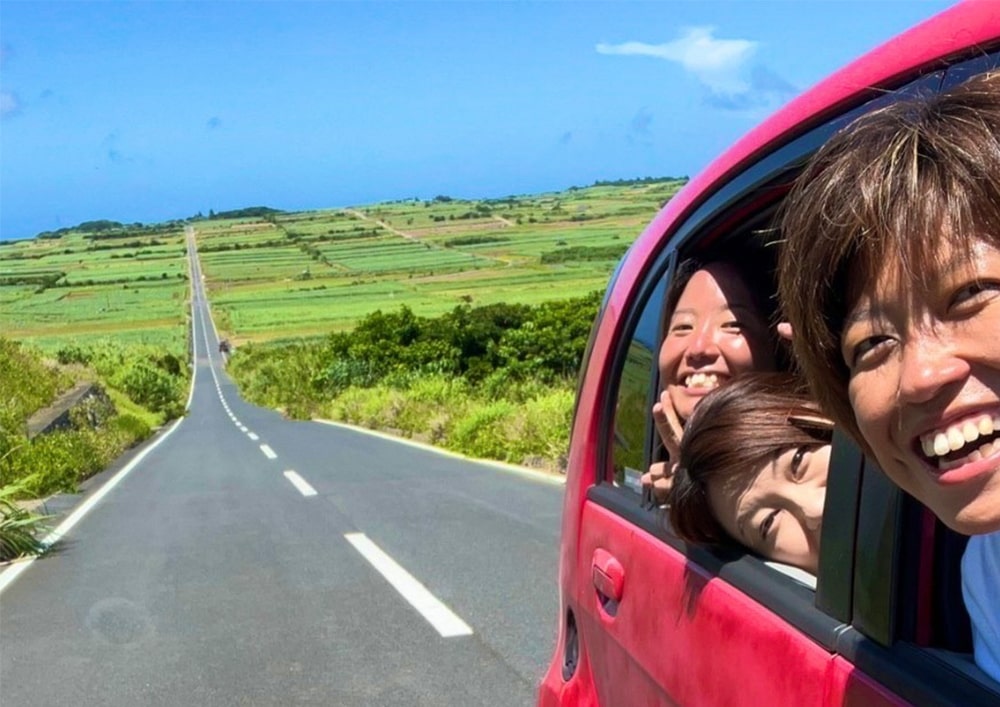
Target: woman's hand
656,483
658,480
669,426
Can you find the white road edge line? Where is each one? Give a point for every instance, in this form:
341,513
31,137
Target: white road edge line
15,570
268,452
524,472
301,484
443,619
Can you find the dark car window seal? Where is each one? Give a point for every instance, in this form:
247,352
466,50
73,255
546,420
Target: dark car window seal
918,675
661,268
834,590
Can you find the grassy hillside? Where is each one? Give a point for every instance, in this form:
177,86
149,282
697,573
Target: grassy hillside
305,274
281,276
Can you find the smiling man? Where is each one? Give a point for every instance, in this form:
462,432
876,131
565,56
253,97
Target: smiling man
890,277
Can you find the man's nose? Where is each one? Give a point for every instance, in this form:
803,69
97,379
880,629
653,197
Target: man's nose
927,365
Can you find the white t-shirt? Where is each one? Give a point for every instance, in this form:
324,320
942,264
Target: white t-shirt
981,591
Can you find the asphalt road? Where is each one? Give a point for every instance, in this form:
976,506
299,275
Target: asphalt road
225,566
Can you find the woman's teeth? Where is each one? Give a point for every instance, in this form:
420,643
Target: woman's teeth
956,437
702,380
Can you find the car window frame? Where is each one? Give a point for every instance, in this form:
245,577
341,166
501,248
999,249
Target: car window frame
844,614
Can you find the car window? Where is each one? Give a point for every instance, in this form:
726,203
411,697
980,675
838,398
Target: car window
637,386
887,599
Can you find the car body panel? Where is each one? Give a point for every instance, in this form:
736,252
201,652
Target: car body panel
681,634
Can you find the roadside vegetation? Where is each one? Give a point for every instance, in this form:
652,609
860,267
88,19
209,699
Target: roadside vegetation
141,389
493,381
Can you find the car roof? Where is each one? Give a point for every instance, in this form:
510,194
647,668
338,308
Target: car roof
928,46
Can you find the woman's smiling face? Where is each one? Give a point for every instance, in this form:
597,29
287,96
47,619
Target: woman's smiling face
715,332
924,384
778,510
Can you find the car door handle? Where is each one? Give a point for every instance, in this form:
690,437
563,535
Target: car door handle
608,576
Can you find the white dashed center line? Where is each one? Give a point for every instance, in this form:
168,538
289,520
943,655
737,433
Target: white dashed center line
301,484
443,619
268,452
253,436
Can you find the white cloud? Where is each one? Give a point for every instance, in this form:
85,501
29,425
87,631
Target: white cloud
717,63
9,105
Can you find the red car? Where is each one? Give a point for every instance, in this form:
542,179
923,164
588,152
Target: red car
646,619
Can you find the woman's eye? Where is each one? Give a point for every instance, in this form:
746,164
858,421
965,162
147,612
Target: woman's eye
767,524
680,328
732,326
869,347
797,458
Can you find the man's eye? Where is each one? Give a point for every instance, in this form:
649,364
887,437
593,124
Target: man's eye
972,291
767,524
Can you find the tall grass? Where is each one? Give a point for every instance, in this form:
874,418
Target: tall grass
530,428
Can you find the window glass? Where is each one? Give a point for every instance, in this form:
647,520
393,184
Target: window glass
636,394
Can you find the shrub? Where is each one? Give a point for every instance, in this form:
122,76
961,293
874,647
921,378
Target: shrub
56,462
19,527
150,386
483,431
129,429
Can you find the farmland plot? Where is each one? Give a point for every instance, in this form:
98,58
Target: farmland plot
309,273
80,288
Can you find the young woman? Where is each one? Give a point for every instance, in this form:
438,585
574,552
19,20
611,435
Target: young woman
752,468
890,277
717,327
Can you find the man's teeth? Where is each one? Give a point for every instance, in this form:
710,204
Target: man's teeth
942,442
975,455
702,380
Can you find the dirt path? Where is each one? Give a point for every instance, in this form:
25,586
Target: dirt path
383,224
410,236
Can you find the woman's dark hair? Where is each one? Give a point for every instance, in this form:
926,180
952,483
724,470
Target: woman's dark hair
733,432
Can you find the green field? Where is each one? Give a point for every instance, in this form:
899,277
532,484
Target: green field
289,275
82,287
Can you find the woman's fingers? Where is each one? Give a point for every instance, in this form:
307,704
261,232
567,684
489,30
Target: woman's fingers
668,425
658,480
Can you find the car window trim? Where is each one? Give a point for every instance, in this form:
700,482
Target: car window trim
921,676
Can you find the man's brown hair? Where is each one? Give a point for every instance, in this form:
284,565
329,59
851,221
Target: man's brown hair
734,431
892,187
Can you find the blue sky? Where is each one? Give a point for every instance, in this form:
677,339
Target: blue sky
158,110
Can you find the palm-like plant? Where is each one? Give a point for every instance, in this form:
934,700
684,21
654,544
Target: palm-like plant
19,528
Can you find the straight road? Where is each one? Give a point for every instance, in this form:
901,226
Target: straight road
251,560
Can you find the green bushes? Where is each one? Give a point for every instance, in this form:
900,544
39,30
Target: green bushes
59,460
19,528
493,381
150,386
531,426
26,383
583,253
149,376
